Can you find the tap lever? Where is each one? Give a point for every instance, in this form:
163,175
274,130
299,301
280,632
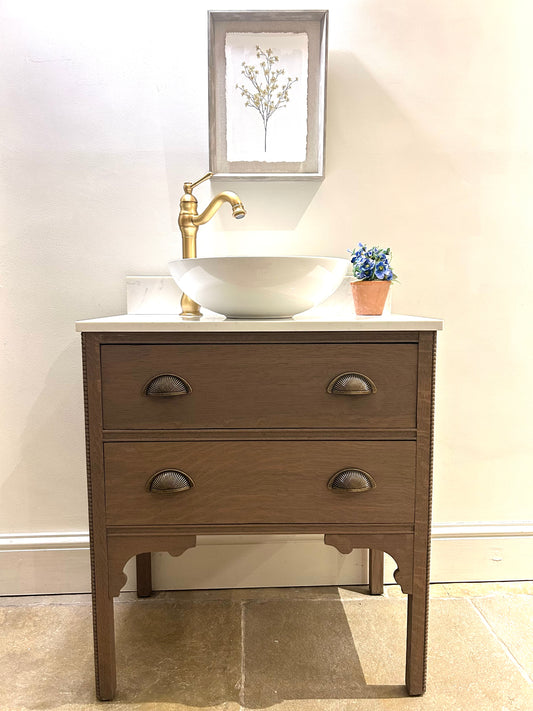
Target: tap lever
189,187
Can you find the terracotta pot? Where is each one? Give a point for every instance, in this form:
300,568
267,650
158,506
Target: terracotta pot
369,297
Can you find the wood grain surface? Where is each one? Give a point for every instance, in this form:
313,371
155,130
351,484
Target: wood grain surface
260,438
261,482
259,386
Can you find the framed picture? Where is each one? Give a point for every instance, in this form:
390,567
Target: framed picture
267,94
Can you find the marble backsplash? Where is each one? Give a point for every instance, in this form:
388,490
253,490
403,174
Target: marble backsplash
161,295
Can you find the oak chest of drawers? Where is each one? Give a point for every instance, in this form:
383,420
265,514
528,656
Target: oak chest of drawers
194,432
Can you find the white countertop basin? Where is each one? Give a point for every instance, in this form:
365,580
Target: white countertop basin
259,287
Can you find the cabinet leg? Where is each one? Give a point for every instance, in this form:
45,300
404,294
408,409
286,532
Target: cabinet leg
375,571
104,634
415,666
144,574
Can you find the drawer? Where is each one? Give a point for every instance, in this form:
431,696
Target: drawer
259,386
259,482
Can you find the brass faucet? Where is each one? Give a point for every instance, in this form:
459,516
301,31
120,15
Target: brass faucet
189,221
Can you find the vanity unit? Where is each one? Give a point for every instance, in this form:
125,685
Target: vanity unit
253,427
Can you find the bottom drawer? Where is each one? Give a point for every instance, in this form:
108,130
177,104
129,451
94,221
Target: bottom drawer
259,482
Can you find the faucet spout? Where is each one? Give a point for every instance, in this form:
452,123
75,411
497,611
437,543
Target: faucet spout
227,196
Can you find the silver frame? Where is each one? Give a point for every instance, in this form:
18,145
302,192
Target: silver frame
315,23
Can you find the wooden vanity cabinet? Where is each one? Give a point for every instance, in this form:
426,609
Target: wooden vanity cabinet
259,432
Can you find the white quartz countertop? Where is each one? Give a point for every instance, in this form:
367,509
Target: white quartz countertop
165,322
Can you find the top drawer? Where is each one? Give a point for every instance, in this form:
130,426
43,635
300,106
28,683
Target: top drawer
259,386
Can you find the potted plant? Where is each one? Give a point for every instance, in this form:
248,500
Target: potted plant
373,273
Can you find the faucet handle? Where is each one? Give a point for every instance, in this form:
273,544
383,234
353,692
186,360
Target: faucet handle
189,187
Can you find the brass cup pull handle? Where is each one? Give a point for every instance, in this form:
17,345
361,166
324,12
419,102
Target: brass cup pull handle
167,385
169,481
353,481
351,384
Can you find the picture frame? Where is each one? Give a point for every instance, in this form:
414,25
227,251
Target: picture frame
267,94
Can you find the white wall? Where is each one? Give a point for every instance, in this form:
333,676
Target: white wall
103,115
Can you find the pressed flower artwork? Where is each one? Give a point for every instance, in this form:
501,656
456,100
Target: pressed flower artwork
266,96
265,91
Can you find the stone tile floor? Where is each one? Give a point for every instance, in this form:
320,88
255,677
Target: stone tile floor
298,649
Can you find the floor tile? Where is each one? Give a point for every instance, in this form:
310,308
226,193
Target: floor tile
339,656
467,665
511,619
243,594
32,600
518,587
45,656
435,590
305,649
298,650
179,651
352,592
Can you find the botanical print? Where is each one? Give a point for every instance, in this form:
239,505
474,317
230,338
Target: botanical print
266,96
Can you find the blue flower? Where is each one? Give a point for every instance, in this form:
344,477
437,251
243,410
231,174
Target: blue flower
380,270
371,264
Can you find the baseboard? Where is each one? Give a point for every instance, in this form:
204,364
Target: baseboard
54,563
482,551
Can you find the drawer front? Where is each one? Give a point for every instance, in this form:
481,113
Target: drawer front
259,482
259,386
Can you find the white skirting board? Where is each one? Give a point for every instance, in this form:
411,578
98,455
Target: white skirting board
54,563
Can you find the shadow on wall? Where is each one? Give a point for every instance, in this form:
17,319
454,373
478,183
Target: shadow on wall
51,468
270,204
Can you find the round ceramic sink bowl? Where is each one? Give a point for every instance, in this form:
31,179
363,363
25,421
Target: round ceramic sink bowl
259,287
